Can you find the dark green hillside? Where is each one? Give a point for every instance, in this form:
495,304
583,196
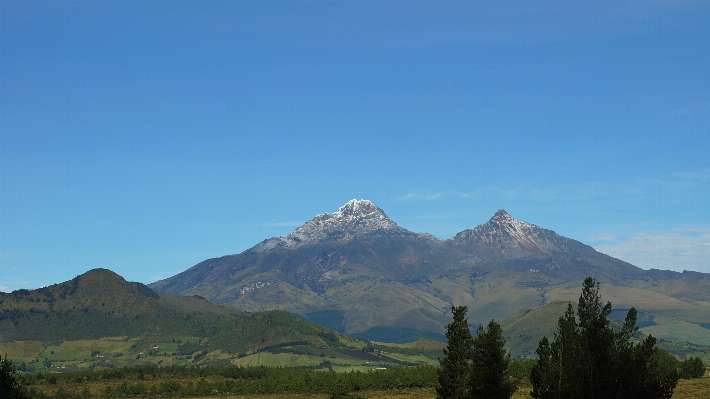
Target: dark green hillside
97,304
101,303
100,321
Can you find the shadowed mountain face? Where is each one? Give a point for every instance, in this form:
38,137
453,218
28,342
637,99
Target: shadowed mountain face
371,274
100,303
96,304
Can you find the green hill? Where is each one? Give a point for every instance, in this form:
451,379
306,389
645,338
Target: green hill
100,303
100,320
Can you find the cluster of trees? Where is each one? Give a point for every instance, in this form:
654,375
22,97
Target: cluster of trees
474,366
587,358
692,367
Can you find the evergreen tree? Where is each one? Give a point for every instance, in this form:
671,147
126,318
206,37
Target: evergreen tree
544,373
455,366
489,365
596,342
10,388
692,367
589,360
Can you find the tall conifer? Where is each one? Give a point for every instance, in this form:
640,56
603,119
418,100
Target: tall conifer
589,360
455,366
489,365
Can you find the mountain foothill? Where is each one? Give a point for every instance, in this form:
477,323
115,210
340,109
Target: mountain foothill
356,271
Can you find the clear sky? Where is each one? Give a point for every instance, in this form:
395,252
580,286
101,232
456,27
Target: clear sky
145,137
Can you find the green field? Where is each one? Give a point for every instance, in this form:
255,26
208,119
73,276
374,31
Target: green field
686,389
118,352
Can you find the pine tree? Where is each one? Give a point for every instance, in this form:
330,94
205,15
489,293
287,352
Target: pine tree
597,340
588,359
544,373
489,365
455,366
9,386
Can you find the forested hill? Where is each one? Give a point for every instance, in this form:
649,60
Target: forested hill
101,303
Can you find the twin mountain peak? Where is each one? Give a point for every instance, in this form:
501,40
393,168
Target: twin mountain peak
363,272
362,218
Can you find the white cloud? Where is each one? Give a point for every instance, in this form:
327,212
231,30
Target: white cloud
603,237
163,275
293,223
9,286
421,196
687,109
683,248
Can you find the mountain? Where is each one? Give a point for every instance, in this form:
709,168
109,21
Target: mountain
99,320
355,218
100,303
515,242
356,271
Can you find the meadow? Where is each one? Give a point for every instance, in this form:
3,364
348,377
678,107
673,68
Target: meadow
269,382
686,389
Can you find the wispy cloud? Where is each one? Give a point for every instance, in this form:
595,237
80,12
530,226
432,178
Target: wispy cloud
8,286
683,248
579,193
494,191
603,237
421,196
591,194
7,254
163,275
437,216
292,223
687,109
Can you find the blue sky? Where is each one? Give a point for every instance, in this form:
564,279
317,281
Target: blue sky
145,137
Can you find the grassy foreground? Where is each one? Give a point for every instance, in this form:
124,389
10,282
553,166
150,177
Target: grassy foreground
687,389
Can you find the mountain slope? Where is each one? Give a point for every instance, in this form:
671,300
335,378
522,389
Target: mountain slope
371,274
521,243
100,303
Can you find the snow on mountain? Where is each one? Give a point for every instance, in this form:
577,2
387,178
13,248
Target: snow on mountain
507,235
356,217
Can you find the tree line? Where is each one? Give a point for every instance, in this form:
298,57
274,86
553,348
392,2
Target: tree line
586,359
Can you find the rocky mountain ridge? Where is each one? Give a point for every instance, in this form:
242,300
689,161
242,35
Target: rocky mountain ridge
507,236
362,267
356,217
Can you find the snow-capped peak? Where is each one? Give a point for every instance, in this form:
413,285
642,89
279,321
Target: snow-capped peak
520,231
353,218
503,233
501,215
